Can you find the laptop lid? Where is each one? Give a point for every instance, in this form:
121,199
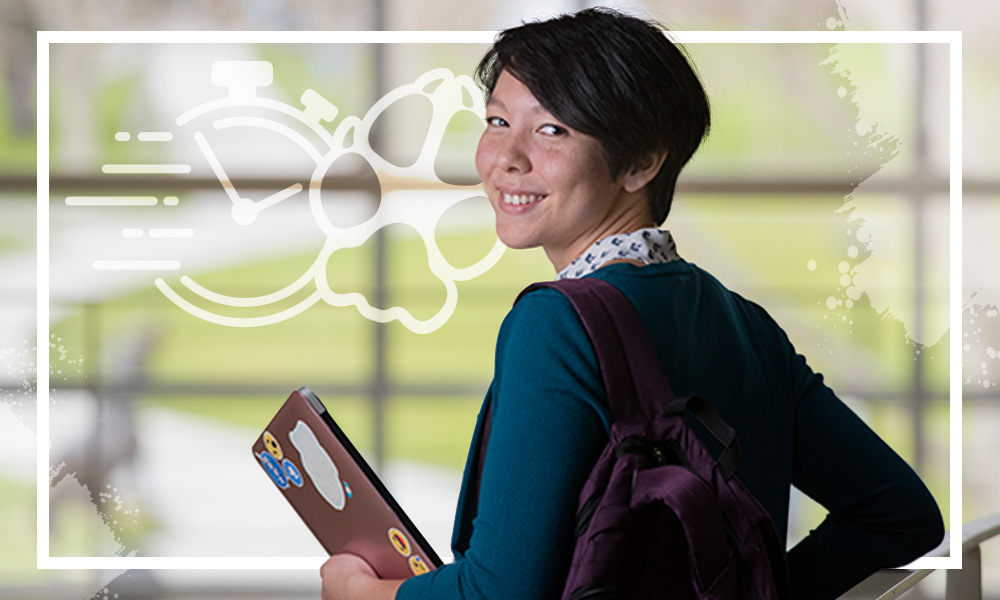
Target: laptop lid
338,496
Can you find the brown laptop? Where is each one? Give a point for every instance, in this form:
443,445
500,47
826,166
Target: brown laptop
336,493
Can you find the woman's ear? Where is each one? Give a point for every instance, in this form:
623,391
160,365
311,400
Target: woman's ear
643,171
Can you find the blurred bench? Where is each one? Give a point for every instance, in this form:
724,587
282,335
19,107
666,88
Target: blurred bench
961,584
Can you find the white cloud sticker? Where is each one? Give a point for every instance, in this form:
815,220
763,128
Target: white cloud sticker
318,465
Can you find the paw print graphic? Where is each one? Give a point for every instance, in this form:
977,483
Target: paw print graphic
320,146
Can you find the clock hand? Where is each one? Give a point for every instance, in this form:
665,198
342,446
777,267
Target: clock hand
217,167
244,210
273,199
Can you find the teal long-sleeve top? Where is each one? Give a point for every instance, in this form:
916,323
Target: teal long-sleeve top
549,424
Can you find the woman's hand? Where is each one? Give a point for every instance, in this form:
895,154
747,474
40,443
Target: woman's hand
349,577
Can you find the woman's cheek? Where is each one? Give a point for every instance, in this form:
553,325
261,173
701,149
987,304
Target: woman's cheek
482,154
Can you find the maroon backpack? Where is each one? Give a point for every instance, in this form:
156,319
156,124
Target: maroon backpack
659,516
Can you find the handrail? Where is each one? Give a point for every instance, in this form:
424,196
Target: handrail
917,183
960,584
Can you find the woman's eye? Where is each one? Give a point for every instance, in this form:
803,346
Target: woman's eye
551,129
496,121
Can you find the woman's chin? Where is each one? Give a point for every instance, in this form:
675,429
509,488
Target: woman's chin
515,242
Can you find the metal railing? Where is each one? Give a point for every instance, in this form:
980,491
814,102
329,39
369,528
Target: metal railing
960,584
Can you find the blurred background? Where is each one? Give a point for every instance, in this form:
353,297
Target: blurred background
822,194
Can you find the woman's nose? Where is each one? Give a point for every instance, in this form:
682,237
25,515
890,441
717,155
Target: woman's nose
511,155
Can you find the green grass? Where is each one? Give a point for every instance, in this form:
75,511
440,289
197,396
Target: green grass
327,345
74,526
433,431
322,344
17,521
852,343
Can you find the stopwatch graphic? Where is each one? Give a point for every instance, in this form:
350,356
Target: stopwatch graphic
318,154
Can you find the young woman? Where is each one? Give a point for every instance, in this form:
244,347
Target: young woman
590,118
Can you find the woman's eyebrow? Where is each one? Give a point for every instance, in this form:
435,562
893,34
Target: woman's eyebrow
494,101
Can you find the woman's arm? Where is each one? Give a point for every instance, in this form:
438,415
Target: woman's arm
547,432
881,514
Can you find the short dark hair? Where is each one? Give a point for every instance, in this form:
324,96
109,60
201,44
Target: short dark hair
616,78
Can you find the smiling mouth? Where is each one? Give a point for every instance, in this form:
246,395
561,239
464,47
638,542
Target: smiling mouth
520,199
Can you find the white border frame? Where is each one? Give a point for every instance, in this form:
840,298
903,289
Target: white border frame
952,38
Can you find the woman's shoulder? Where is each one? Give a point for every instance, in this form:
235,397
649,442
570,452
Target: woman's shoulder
540,311
543,333
678,280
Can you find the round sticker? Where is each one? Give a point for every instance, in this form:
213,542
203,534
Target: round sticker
417,565
399,541
294,476
274,470
272,445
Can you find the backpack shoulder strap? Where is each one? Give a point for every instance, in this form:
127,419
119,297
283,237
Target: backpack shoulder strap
633,379
608,318
636,386
628,363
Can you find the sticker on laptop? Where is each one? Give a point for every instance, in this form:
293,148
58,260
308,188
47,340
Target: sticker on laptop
272,445
399,541
294,476
318,465
417,565
273,469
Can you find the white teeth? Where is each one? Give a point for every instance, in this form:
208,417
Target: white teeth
519,199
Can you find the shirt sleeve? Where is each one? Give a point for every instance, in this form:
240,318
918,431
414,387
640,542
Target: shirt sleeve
880,513
548,428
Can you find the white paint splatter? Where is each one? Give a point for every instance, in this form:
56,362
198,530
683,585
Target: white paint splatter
879,265
17,421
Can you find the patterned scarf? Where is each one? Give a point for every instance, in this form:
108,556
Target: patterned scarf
648,246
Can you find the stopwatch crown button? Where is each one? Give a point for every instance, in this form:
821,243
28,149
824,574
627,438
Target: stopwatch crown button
317,107
242,77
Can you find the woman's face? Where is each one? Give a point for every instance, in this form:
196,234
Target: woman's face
549,185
